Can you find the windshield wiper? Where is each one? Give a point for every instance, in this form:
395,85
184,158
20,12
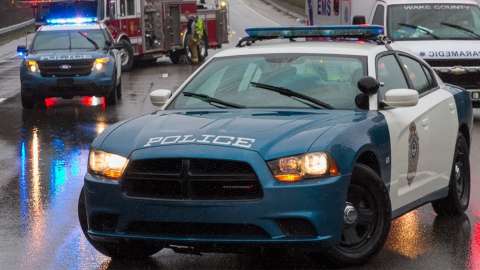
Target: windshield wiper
459,27
212,100
421,28
289,93
90,40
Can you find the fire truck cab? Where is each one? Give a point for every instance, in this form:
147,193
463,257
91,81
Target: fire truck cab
148,29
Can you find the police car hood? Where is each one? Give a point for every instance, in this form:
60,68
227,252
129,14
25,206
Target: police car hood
59,55
271,133
443,49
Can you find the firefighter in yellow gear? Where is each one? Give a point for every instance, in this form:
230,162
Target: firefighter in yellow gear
195,34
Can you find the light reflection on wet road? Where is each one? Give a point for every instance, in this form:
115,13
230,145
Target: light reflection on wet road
43,160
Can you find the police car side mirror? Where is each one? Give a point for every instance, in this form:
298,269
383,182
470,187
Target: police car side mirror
401,98
160,97
22,50
368,85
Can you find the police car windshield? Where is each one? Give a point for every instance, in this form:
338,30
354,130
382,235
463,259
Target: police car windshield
243,80
434,21
68,40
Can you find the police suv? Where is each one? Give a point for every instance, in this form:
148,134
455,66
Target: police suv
70,57
307,144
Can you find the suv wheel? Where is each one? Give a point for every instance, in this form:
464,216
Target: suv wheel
111,98
118,250
367,218
459,188
119,90
28,101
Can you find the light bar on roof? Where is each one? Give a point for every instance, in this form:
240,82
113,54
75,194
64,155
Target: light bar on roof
331,31
77,20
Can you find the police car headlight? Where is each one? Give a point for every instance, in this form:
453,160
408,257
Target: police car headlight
107,165
32,66
100,63
296,168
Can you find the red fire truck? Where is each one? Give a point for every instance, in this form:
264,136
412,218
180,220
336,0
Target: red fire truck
148,29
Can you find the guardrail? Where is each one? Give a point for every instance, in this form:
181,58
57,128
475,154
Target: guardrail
16,27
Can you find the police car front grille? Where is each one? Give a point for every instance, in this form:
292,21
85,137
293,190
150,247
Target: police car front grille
191,179
65,68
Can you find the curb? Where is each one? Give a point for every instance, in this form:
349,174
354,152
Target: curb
16,27
300,17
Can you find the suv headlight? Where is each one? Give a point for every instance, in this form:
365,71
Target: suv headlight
100,63
106,164
32,66
296,168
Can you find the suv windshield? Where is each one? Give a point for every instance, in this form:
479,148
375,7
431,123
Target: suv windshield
275,81
69,40
433,21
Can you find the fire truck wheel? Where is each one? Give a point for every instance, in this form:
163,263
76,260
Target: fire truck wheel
175,57
127,55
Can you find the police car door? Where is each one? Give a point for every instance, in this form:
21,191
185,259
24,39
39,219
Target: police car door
410,137
441,124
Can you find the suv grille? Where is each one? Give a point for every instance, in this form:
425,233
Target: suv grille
191,179
453,62
468,80
66,68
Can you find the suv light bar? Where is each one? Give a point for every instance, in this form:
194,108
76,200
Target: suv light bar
78,20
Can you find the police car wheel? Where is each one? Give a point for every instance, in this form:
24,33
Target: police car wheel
367,217
119,250
112,96
28,101
459,188
126,55
119,91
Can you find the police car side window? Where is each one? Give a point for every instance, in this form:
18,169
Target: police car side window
390,74
416,74
378,17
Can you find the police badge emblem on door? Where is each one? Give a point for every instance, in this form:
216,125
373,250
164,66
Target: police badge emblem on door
413,153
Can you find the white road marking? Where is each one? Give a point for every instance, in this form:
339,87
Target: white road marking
2,100
260,15
165,75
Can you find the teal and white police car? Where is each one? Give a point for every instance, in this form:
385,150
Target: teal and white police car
308,144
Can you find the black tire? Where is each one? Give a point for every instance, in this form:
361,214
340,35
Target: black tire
28,101
111,98
175,56
119,90
117,250
365,235
458,199
128,55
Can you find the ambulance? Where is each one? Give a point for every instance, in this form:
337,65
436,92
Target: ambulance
445,33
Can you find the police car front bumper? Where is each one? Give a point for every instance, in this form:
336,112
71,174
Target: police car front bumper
95,84
307,214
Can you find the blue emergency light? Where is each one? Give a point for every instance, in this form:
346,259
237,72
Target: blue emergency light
76,20
330,31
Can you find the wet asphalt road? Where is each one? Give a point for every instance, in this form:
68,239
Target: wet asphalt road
43,157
